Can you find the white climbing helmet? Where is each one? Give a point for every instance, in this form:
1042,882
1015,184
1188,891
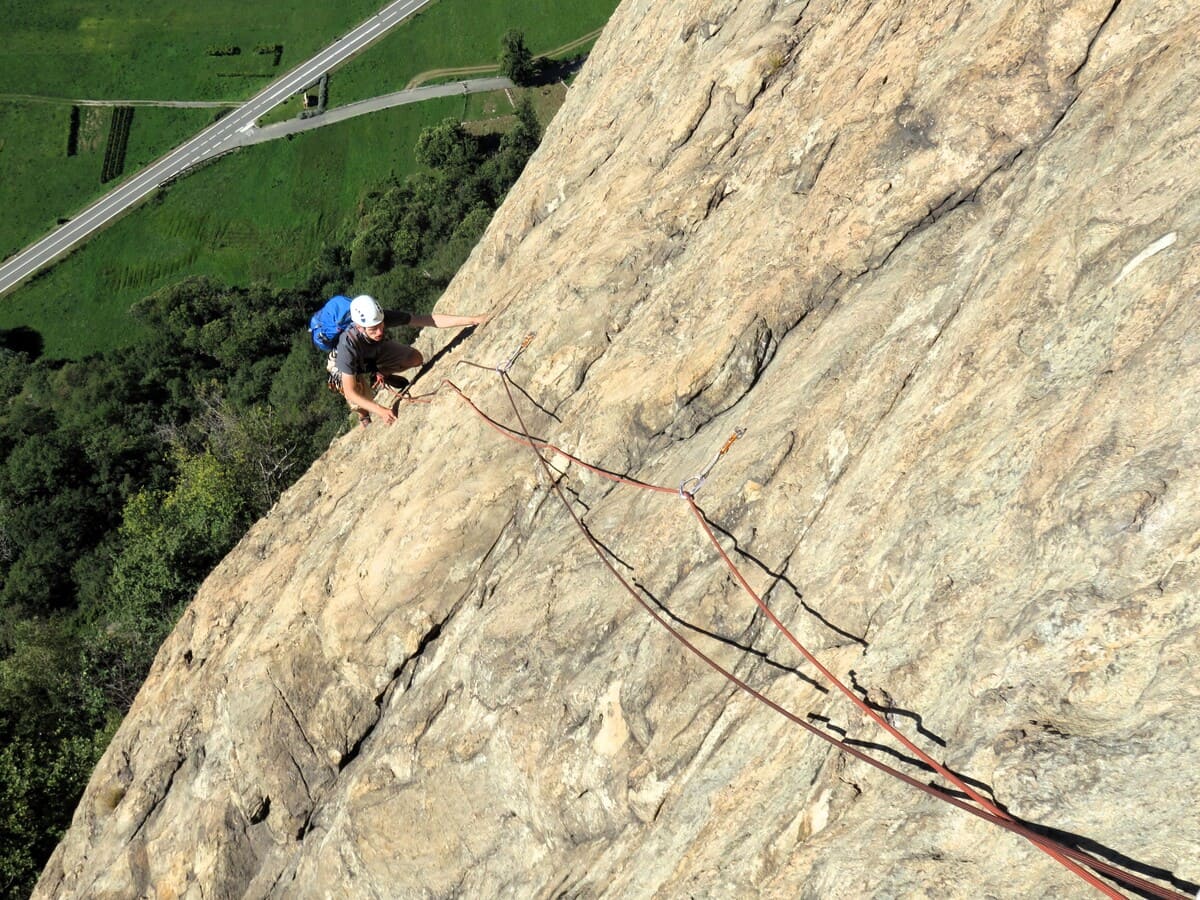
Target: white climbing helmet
365,311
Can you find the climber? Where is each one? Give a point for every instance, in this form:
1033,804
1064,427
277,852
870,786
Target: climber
362,350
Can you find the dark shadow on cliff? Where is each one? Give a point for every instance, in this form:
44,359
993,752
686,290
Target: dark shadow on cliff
22,339
552,71
456,342
892,710
780,578
679,620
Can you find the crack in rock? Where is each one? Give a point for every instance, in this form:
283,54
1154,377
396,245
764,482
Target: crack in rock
736,376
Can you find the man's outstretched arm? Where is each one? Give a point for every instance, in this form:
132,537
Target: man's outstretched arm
441,320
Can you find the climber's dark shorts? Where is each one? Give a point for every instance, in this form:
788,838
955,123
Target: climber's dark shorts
396,357
391,357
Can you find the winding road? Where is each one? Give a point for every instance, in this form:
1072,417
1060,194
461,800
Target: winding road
233,130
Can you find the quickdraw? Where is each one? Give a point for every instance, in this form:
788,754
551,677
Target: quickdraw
508,364
697,481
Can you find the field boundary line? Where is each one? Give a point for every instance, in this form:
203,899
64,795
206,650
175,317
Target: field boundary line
64,101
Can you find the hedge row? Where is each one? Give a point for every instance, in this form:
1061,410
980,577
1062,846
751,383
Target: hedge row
118,142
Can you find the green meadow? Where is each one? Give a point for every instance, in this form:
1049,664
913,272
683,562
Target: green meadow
256,215
260,214
162,49
125,50
42,184
456,33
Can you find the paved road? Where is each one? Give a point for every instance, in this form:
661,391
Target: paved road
212,141
256,135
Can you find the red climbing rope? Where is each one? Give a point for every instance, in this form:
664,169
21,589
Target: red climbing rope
878,719
521,438
1066,856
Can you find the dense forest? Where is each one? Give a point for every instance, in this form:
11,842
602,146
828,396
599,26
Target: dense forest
125,477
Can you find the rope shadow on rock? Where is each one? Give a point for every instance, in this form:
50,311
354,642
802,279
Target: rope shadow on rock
1116,857
890,709
909,760
749,649
536,405
780,578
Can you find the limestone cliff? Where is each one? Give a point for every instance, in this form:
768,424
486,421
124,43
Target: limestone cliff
942,260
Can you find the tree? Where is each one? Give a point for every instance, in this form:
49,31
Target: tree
516,147
52,732
455,251
449,148
370,252
170,540
40,783
330,270
406,245
515,59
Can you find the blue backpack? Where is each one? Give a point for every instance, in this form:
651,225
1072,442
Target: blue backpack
329,322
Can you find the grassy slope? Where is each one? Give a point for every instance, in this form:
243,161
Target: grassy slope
260,214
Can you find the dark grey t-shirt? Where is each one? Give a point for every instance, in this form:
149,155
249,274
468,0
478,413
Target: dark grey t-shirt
356,353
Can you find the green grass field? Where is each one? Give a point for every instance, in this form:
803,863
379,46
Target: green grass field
259,214
453,33
158,49
155,50
41,184
150,49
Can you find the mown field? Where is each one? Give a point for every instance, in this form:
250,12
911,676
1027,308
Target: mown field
260,214
492,113
454,33
43,184
162,49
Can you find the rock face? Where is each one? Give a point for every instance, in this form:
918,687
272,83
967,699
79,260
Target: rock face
942,260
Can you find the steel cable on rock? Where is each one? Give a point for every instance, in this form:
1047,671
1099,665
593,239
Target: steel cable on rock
1068,857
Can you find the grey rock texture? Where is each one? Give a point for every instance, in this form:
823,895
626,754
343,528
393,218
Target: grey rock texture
942,259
